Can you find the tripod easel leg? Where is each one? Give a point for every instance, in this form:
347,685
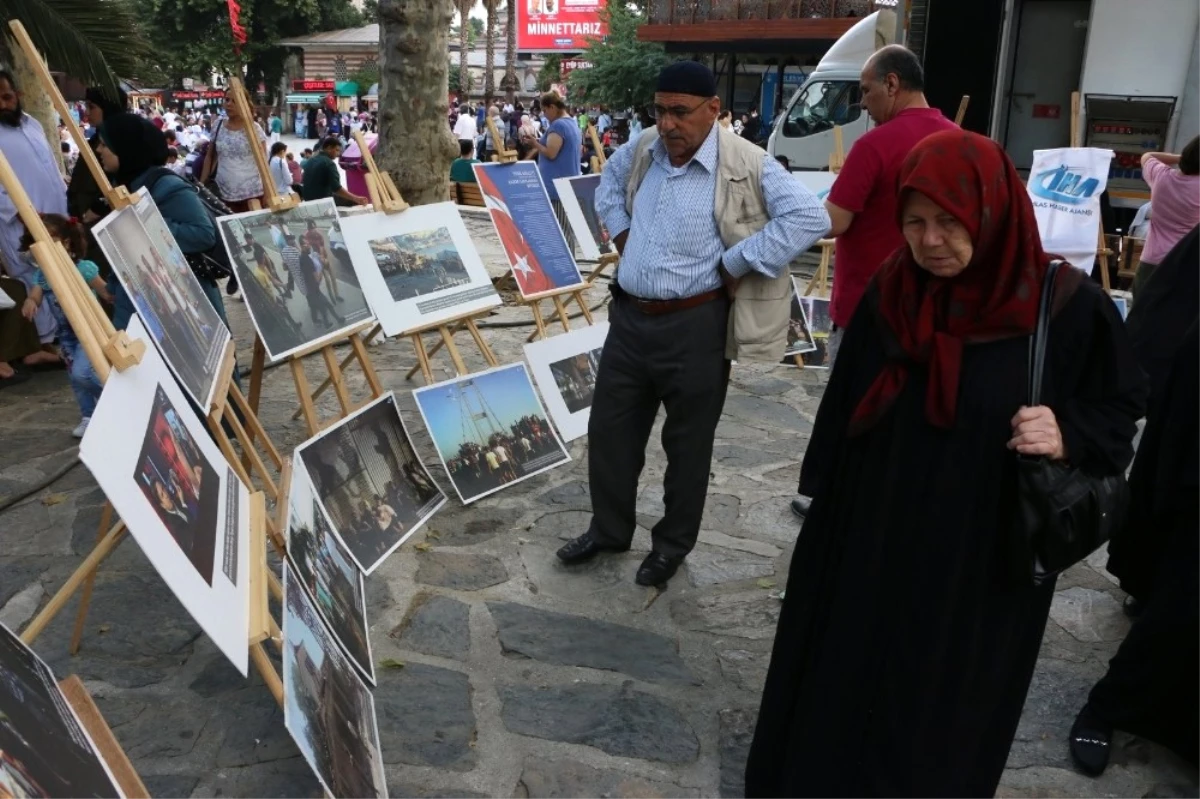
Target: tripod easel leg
104,547
257,363
326,383
488,355
455,356
86,597
538,321
581,301
359,350
306,403
422,359
337,378
437,345
561,310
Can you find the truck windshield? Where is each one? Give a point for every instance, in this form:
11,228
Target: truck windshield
820,106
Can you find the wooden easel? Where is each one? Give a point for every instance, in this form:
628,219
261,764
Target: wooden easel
97,728
502,154
109,349
962,109
534,301
386,197
118,198
837,158
1103,251
277,204
820,279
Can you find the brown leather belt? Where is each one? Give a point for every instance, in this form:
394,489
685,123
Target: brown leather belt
656,307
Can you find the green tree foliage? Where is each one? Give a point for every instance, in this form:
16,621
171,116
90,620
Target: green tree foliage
365,76
192,37
93,40
550,72
624,70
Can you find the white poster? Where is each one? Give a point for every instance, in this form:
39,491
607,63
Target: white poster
1065,186
565,368
171,486
419,267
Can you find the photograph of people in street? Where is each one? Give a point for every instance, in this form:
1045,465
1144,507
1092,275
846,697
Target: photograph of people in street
799,336
44,751
327,708
371,483
490,430
179,318
328,574
295,275
180,485
419,263
576,378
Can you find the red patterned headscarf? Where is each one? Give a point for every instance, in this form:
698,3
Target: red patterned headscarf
995,297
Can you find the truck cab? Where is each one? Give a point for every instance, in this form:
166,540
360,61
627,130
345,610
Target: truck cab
830,97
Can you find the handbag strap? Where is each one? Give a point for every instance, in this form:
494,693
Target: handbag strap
1037,342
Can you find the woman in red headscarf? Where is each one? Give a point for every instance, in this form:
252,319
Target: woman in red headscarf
905,645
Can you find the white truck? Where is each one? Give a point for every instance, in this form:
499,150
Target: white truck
830,96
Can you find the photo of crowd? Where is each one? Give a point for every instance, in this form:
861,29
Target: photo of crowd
490,430
178,317
180,485
327,708
334,584
44,750
576,378
295,274
415,264
370,482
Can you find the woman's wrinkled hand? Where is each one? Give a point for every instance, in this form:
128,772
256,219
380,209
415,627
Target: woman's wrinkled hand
1036,432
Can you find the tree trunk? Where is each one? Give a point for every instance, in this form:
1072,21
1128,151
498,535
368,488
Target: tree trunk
464,48
33,98
511,82
489,69
415,143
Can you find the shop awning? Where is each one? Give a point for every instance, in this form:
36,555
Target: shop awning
304,98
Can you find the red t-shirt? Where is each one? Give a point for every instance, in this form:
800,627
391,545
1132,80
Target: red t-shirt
867,186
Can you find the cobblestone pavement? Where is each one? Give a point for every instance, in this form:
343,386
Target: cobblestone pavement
520,677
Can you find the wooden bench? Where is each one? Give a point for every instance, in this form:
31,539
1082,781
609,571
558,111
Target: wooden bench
466,194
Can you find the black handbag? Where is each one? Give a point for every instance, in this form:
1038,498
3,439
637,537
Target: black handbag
1062,514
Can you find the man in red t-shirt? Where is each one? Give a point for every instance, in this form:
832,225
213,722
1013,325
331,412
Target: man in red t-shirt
862,202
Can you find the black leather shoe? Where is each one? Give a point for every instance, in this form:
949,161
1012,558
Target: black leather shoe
1091,742
656,569
800,506
583,549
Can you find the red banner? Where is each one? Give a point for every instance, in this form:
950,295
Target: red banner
239,33
313,85
558,25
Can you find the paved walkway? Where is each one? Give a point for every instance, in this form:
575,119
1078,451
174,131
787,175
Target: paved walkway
520,677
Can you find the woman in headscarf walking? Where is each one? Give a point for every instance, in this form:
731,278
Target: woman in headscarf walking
906,644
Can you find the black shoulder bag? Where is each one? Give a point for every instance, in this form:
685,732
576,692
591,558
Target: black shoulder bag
1062,514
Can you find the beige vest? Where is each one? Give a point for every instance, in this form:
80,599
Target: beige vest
759,318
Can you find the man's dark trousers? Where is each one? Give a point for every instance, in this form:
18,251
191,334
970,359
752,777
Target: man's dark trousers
675,359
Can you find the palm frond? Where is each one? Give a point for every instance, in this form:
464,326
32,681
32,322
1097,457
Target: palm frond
92,40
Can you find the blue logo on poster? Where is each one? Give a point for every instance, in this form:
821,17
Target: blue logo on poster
1065,184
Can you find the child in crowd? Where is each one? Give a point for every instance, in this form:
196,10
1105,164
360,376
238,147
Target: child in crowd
174,163
84,382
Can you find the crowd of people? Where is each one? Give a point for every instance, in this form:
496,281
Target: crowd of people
503,457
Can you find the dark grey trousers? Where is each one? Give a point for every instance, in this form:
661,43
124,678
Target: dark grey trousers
676,360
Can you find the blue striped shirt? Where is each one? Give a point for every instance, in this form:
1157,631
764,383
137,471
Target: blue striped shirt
674,248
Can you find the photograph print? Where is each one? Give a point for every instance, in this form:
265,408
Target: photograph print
578,197
565,368
169,483
799,336
44,749
371,484
328,574
490,430
178,316
327,707
295,274
179,484
528,230
814,312
418,267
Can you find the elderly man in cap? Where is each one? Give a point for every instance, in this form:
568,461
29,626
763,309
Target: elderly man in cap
706,224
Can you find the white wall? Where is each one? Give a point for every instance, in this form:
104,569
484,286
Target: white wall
1188,112
1143,47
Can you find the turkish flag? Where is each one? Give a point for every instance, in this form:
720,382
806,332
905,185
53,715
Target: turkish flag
530,277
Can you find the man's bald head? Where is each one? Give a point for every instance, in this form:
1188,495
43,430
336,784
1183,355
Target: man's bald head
892,80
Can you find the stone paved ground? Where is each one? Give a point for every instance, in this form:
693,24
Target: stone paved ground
520,677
